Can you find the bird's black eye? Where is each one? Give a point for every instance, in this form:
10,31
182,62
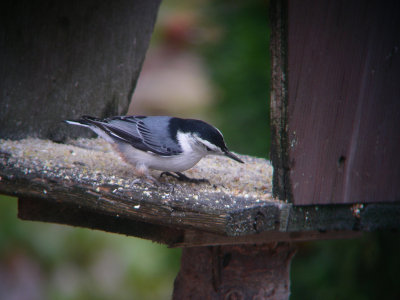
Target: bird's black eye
208,149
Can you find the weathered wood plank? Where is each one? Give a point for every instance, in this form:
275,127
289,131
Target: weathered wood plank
343,108
95,178
48,210
62,59
88,185
37,209
195,238
279,140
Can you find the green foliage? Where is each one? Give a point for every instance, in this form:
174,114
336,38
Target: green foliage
239,66
359,269
76,263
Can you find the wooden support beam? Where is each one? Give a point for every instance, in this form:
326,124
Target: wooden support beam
235,272
43,210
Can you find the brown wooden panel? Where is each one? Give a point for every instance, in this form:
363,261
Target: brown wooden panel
343,111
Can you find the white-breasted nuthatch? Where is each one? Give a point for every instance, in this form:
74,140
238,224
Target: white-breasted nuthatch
161,143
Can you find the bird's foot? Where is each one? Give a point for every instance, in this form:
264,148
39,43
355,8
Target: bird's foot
145,179
182,177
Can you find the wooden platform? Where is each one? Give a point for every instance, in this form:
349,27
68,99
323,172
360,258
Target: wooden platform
84,183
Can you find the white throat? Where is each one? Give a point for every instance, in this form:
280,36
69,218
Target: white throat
190,143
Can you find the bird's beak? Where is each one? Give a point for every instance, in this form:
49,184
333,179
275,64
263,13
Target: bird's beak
233,156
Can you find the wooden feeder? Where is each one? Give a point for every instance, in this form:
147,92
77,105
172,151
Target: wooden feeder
336,168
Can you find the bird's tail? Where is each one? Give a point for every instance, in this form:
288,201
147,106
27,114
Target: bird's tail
85,121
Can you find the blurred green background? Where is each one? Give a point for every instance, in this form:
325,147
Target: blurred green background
226,45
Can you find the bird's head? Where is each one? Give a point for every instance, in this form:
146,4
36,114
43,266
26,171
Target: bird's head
209,138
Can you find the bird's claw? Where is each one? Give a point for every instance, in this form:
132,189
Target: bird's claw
182,177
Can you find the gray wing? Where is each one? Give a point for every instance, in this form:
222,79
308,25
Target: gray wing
144,133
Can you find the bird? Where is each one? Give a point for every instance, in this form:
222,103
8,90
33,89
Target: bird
168,144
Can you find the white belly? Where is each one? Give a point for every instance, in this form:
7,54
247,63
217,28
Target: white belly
176,163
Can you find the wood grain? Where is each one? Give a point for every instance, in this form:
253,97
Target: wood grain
90,187
235,272
61,60
343,109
